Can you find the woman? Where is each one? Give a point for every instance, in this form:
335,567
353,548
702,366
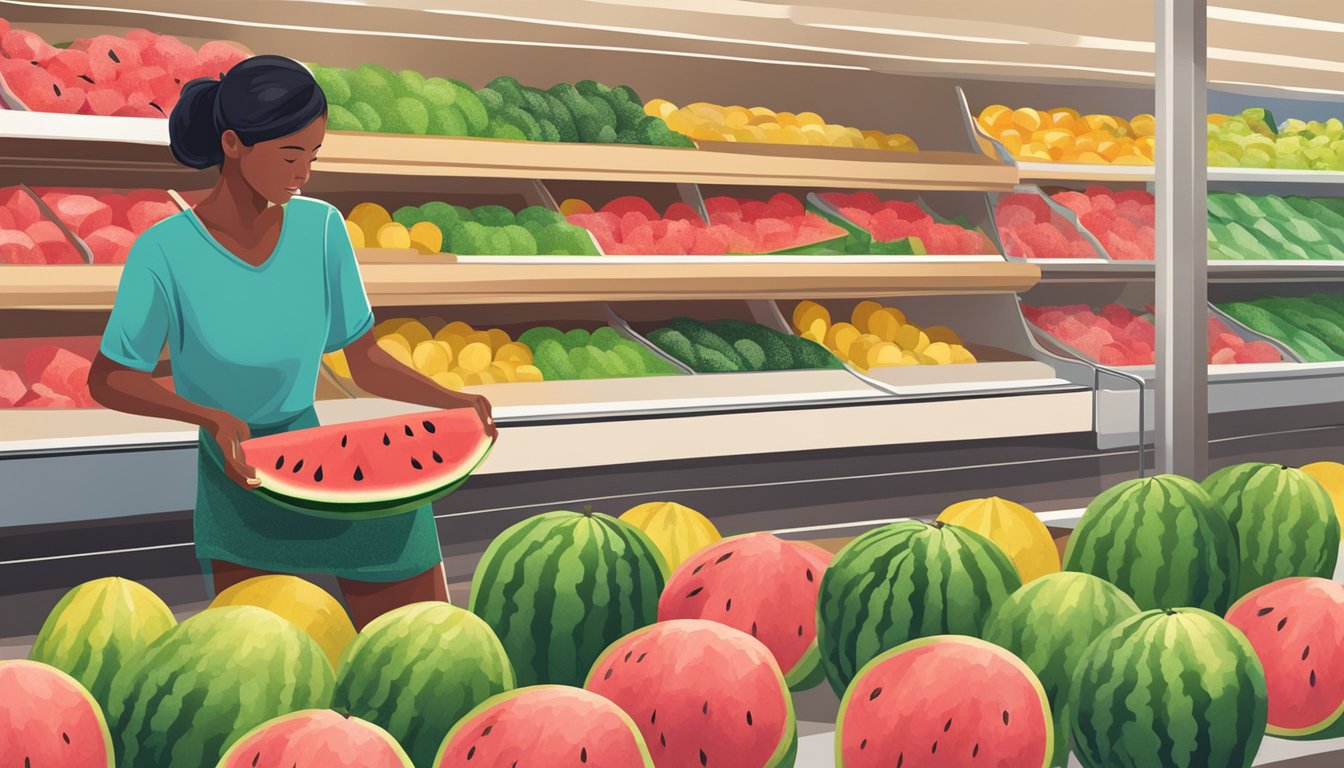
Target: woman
248,291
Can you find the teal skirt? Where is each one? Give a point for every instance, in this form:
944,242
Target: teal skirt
243,527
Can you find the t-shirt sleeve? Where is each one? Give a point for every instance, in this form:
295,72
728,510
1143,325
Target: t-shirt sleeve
351,316
138,325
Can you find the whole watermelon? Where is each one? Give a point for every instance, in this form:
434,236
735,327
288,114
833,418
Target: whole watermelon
560,587
1282,519
1160,540
98,628
415,670
1172,688
208,681
904,581
1049,624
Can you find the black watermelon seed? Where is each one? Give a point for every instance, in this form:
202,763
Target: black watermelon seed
975,750
359,474
876,692
1005,717
628,654
1312,678
487,730
256,758
753,629
386,439
160,109
809,574
608,675
280,462
437,458
697,569
662,739
416,463
1282,622
723,557
428,425
1306,652
935,748
409,433
695,592
641,657
728,606
65,736
947,726
471,753
1264,611
800,630
653,718
344,440
900,760
703,759
863,744
704,708
583,755
297,467
57,89
749,717
86,78
111,54
318,474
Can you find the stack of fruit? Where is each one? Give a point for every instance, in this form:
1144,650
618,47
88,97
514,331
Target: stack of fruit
733,346
779,224
893,221
486,230
139,74
1030,229
880,337
1312,326
1062,135
454,355
1120,336
51,376
1121,221
761,125
109,222
649,640
1272,227
600,354
373,99
28,238
1251,140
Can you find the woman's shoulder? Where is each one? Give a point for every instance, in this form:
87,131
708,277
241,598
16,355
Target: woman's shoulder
310,209
169,231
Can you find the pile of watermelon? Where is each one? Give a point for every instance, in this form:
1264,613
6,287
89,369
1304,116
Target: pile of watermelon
26,237
108,222
894,220
49,376
1030,229
139,74
1118,335
649,640
1121,221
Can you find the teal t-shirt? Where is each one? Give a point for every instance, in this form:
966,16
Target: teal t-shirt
246,340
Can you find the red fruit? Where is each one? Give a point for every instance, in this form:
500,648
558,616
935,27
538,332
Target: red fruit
940,240
82,213
105,101
175,56
708,243
38,88
1115,354
46,397
1014,216
23,45
1223,357
4,26
1013,245
60,252
18,248
1217,326
866,201
681,212
71,68
1039,208
722,204
147,80
1141,196
217,57
109,57
142,37
45,232
1121,249
753,210
146,214
1095,191
774,235
784,204
1118,315
1103,204
7,219
1096,223
111,244
681,235
859,216
1046,241
631,204
905,210
1074,201
140,105
66,374
1259,352
12,388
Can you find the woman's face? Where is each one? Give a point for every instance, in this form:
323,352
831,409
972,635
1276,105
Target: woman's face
278,169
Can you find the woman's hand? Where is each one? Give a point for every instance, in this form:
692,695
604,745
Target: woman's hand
378,373
229,432
482,406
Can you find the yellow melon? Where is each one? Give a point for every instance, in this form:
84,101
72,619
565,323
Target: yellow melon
302,603
1014,528
677,530
1330,475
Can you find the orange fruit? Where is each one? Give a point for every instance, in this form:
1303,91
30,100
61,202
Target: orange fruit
1101,123
1026,120
995,118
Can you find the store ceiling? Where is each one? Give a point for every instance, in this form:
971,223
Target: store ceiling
1289,46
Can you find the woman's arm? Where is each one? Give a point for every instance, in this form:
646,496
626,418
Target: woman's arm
124,389
378,373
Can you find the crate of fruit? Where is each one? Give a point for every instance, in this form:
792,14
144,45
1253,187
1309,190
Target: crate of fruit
31,234
901,227
1032,226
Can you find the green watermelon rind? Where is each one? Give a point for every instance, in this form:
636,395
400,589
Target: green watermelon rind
920,643
527,644
387,737
786,752
1231,731
99,714
1251,497
1132,535
850,633
501,698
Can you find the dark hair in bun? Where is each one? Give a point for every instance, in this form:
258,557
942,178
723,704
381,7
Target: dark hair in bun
261,98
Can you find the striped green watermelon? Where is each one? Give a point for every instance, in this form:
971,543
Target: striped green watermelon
99,627
1160,540
1049,624
560,587
904,581
209,680
415,670
1176,688
1282,519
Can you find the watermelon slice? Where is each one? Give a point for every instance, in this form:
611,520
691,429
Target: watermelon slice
371,468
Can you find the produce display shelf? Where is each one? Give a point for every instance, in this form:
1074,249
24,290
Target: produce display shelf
1278,270
1031,173
93,287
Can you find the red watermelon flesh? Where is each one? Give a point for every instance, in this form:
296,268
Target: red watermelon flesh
1296,627
370,468
110,57
316,738
762,585
702,694
217,57
48,719
146,213
71,68
45,397
24,45
948,701
84,214
12,388
21,205
18,248
111,244
551,725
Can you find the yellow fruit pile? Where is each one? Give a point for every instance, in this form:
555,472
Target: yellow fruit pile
455,356
1062,135
712,122
371,226
880,337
